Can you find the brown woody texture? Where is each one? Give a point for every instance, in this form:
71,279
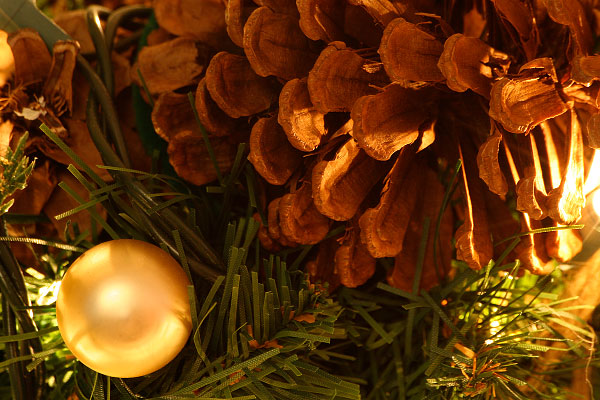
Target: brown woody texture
356,112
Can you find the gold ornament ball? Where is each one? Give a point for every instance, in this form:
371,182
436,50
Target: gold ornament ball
123,308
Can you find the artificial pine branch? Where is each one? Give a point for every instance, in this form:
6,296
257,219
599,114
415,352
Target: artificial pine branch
392,343
477,336
272,317
16,169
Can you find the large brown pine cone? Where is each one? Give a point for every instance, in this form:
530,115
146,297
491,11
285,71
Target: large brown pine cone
360,108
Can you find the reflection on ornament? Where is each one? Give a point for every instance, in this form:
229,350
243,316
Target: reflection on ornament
123,308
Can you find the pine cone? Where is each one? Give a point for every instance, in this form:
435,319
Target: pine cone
359,109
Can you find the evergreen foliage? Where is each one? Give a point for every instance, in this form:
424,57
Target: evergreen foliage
261,329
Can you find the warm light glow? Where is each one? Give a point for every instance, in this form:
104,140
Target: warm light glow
48,294
7,61
592,181
115,298
495,324
596,202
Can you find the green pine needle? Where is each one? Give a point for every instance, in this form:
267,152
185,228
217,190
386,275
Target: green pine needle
261,329
15,170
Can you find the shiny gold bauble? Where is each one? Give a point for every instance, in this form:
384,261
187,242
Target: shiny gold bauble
123,308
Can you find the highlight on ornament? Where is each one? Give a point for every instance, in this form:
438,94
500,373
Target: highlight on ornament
123,308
